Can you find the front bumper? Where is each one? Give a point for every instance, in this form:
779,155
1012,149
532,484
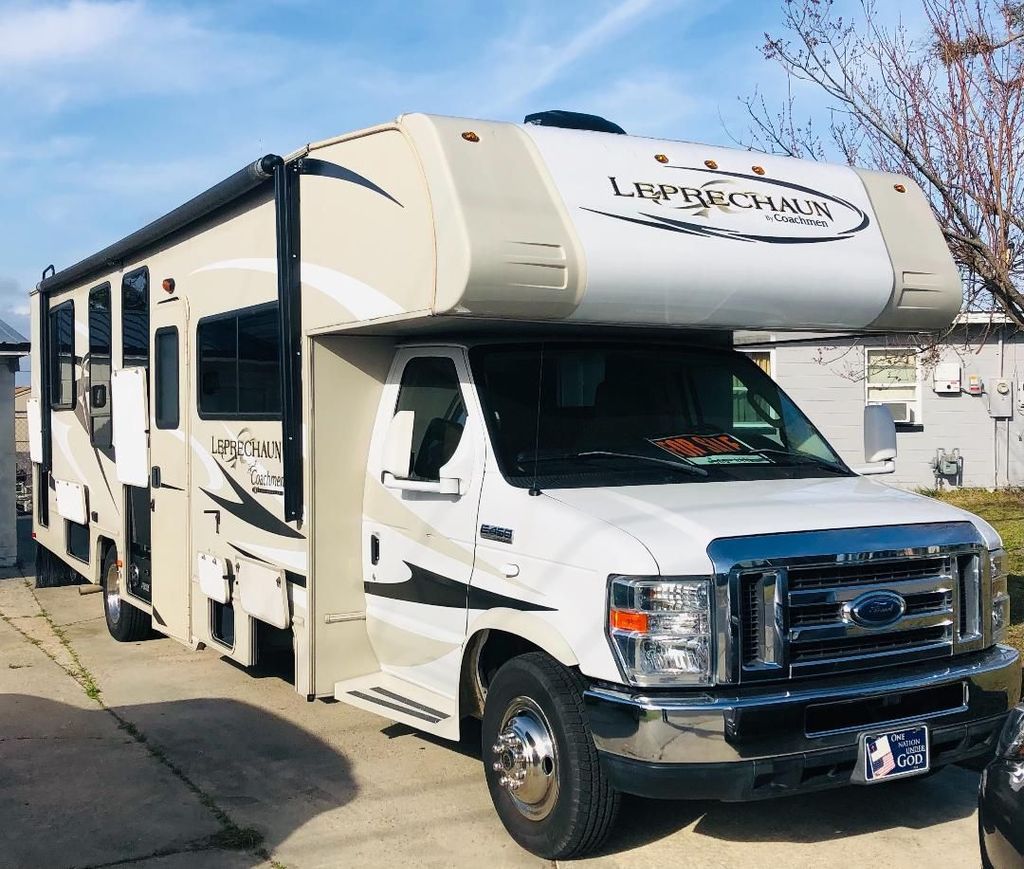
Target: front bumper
740,744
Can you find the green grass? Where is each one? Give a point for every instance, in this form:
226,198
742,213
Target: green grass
1004,510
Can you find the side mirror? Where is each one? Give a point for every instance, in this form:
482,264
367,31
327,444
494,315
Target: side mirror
98,396
879,441
398,445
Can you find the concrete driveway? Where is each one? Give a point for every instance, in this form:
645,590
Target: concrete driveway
151,755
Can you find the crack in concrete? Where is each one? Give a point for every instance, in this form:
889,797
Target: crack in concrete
231,836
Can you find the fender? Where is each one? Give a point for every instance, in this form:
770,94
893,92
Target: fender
530,627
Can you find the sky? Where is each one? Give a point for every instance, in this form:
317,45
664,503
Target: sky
112,112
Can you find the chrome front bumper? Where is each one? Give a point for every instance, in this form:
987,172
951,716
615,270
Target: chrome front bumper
738,743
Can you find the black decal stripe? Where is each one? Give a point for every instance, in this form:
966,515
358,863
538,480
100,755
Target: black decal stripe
724,232
251,511
714,232
426,587
440,715
245,554
433,719
164,485
312,166
295,578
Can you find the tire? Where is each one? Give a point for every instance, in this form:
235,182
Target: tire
535,729
126,623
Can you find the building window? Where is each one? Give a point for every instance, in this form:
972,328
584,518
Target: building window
62,356
100,427
165,347
892,379
430,389
239,365
135,319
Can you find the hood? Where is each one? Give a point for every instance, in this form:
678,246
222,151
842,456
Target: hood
677,522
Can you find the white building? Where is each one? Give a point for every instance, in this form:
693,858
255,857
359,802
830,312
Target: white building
959,406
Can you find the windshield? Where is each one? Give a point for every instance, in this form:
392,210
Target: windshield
630,414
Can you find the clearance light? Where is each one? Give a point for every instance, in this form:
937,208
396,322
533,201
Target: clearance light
758,170
899,188
661,158
711,164
470,136
660,629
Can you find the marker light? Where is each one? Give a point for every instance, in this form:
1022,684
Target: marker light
711,164
661,158
758,170
470,136
899,188
660,629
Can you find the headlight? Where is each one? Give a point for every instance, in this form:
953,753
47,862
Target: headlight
1011,741
660,629
1000,595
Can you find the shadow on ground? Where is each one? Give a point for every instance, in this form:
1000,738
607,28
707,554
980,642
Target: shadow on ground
948,795
85,790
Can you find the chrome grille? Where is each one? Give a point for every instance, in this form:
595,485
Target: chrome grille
796,614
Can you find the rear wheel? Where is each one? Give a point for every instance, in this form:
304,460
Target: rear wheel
126,623
542,768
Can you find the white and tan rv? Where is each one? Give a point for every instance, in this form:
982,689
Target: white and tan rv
450,408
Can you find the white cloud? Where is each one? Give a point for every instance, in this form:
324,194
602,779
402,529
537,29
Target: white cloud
53,55
530,64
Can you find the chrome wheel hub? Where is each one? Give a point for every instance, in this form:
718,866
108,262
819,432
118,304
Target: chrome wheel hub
526,760
111,597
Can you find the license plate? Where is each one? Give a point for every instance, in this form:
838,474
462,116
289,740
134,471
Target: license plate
895,754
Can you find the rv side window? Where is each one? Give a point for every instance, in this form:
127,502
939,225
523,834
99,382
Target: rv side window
166,382
239,366
100,428
62,356
430,389
135,318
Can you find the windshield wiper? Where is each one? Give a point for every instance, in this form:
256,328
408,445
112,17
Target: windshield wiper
694,470
804,459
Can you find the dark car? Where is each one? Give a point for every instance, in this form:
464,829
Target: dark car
1001,799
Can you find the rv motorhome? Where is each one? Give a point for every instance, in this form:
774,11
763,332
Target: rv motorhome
450,408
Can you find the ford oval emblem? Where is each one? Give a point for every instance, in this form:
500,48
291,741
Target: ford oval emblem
876,609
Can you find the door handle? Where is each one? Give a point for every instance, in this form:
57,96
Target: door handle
374,549
154,477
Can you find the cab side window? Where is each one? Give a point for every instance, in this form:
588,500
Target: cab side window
430,389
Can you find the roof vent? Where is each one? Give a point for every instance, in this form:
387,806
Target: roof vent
573,121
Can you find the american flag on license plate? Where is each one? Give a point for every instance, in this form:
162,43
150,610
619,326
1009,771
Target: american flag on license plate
880,756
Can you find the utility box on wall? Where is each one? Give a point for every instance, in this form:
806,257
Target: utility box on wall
946,380
1000,399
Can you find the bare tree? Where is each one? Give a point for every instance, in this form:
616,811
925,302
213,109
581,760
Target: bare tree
945,107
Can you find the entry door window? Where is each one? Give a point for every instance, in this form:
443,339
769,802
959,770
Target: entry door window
101,429
166,402
430,389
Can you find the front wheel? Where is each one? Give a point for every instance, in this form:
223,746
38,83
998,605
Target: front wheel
542,768
126,623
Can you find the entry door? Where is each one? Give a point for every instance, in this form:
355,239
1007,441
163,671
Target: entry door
420,545
169,459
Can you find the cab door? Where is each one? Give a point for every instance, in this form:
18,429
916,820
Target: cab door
170,467
419,545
